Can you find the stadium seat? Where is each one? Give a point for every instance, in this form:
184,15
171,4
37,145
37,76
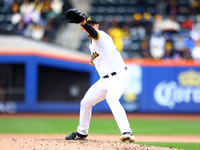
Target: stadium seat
121,10
132,2
111,10
1,18
101,10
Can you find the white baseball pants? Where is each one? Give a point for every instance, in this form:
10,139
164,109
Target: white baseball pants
110,89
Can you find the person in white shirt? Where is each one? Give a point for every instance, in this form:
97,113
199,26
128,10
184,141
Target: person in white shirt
114,80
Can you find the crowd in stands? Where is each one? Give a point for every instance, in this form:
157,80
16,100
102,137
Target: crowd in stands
158,29
171,31
38,19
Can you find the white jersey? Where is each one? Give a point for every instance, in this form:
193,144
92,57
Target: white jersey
105,55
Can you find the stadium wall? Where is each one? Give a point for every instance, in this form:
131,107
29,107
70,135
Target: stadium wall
56,82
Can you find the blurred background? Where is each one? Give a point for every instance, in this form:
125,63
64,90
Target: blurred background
44,62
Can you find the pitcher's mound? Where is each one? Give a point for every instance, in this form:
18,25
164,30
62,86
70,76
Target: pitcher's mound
62,144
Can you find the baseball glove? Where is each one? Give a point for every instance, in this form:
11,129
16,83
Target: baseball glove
74,16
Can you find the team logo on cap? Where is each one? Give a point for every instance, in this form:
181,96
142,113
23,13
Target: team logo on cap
88,19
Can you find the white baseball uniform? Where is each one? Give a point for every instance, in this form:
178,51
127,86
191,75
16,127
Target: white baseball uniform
114,80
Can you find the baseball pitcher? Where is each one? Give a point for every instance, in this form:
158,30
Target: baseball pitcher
114,77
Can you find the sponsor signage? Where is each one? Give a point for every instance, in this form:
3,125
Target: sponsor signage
171,89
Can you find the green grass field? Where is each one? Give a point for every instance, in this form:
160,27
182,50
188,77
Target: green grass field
99,126
185,146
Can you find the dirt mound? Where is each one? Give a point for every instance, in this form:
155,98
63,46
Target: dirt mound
62,144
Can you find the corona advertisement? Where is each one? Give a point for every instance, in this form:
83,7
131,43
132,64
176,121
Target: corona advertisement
171,90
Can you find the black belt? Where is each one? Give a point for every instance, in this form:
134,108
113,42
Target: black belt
113,73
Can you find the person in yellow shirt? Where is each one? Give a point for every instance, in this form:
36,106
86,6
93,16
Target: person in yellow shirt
117,34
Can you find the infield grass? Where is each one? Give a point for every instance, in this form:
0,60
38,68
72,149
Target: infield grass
106,126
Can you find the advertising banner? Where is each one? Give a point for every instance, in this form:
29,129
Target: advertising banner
170,89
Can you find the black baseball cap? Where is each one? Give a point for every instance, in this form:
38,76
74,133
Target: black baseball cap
91,19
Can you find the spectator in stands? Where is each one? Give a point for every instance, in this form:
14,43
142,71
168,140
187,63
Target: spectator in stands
56,6
179,46
158,25
20,27
28,29
186,54
145,49
196,51
187,25
189,45
169,52
36,14
157,46
16,16
53,21
45,10
117,34
195,35
39,16
26,9
196,26
170,25
37,32
50,30
15,7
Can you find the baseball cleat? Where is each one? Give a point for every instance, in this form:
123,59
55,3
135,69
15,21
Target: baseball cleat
76,136
127,137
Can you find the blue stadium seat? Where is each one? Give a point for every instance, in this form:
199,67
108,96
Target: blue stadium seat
9,27
101,10
121,10
132,2
130,10
111,10
2,17
123,2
